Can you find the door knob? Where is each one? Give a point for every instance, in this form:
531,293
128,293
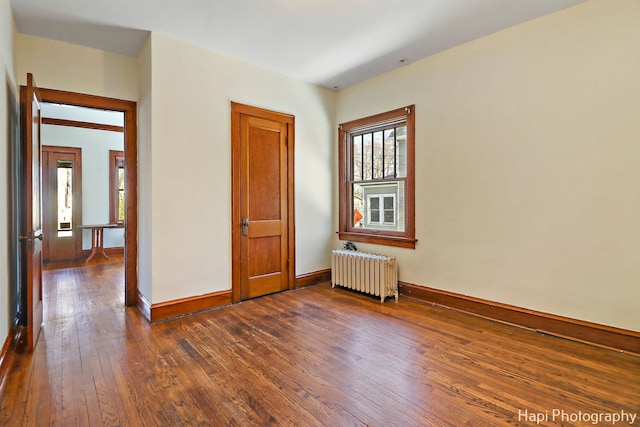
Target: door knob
245,226
39,237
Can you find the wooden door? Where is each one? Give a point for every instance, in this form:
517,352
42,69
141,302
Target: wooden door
61,203
263,202
31,235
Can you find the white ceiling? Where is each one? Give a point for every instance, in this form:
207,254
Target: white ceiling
332,43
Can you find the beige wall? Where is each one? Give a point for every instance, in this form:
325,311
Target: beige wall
184,94
7,84
64,66
189,165
145,185
528,163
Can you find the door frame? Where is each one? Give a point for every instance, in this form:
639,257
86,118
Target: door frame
238,110
129,108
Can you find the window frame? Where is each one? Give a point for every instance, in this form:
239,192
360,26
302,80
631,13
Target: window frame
115,158
347,231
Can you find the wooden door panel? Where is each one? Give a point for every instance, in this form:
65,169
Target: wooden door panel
31,235
265,251
264,169
264,256
263,285
265,229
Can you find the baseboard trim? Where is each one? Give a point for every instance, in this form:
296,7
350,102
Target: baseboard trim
144,306
5,357
185,306
314,278
15,343
609,337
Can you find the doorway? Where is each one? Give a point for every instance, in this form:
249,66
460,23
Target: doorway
130,172
263,240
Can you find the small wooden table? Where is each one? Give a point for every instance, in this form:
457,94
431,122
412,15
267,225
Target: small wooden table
97,238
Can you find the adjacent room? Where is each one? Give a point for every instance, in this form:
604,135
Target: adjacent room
320,213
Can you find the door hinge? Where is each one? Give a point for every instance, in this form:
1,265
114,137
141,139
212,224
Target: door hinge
287,264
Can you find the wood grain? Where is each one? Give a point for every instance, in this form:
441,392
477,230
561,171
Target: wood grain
315,356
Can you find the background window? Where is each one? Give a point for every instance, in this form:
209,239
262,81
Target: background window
381,209
116,185
64,184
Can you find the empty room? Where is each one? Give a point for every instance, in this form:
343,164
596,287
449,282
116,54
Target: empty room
314,213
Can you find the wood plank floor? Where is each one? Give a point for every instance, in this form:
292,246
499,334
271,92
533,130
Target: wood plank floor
311,357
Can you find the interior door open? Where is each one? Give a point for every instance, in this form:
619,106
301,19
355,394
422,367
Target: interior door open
263,240
31,235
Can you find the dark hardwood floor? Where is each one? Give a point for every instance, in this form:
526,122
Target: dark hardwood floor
310,357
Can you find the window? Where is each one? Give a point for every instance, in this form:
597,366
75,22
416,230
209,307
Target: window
376,157
116,186
382,209
64,184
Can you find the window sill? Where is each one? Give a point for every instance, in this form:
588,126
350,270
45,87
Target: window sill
401,242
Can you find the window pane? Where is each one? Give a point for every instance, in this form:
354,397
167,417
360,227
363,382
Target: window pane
65,198
121,205
378,157
367,151
374,209
388,202
400,207
357,158
375,216
389,210
401,152
121,178
389,153
357,203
